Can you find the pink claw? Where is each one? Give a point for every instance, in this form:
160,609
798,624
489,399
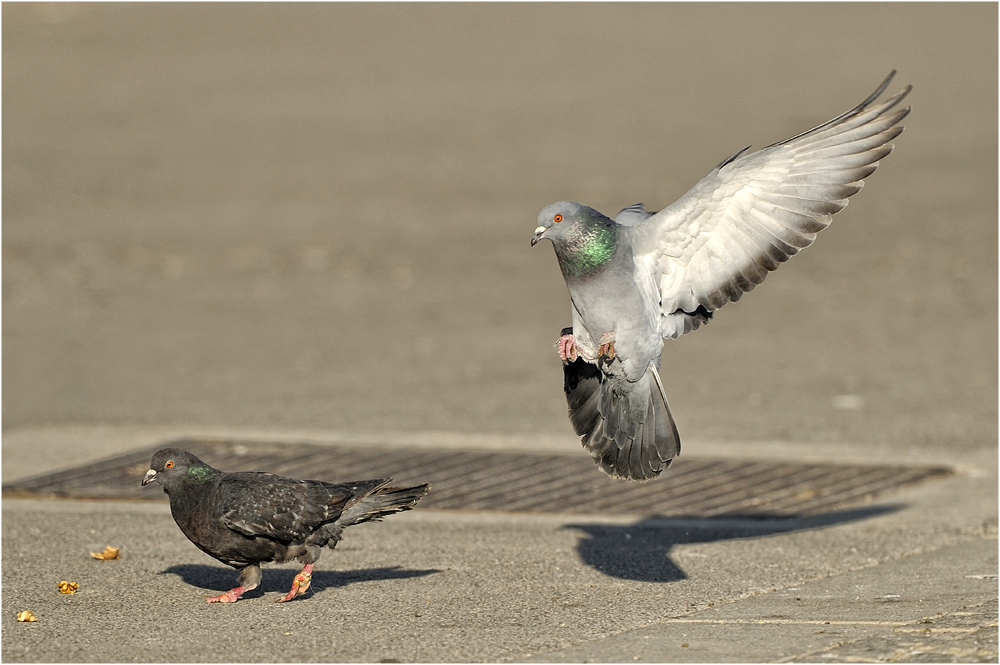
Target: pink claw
567,348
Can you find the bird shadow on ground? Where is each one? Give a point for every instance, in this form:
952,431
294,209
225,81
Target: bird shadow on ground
215,578
641,551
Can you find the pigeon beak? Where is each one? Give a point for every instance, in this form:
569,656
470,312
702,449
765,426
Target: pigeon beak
150,475
539,234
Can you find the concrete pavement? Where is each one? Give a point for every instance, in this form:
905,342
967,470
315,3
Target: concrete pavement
911,577
313,221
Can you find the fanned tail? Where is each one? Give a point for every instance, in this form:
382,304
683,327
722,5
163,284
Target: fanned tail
626,426
383,501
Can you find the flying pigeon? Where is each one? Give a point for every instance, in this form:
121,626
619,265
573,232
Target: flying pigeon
245,518
644,277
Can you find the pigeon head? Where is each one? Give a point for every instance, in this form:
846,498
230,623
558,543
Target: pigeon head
171,467
584,239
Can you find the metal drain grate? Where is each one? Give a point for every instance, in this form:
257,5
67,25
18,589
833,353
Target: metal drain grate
516,482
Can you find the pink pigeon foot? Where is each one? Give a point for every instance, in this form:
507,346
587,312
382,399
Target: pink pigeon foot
300,584
567,348
230,596
607,345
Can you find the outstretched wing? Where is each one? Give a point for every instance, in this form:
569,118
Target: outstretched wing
754,211
263,504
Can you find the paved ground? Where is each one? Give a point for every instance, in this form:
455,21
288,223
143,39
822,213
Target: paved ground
908,578
314,221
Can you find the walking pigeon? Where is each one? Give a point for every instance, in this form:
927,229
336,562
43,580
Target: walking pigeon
245,518
644,277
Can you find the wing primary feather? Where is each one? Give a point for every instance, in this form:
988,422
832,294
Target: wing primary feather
857,109
766,254
863,121
872,143
831,192
819,177
762,224
792,209
733,281
743,261
855,160
778,222
847,135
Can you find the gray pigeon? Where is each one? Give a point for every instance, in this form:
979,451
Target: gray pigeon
644,277
245,518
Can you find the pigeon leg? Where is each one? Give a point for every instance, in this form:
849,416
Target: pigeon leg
607,345
300,584
230,596
567,348
249,579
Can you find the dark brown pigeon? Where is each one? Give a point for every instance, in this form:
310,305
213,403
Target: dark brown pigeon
246,518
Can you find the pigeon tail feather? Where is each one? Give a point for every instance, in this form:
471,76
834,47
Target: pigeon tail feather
383,501
626,426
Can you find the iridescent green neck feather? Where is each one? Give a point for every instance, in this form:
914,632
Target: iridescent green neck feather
201,473
587,253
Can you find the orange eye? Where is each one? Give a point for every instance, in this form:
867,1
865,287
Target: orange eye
557,219
169,464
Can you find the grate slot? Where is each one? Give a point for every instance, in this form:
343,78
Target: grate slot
761,496
719,492
516,481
